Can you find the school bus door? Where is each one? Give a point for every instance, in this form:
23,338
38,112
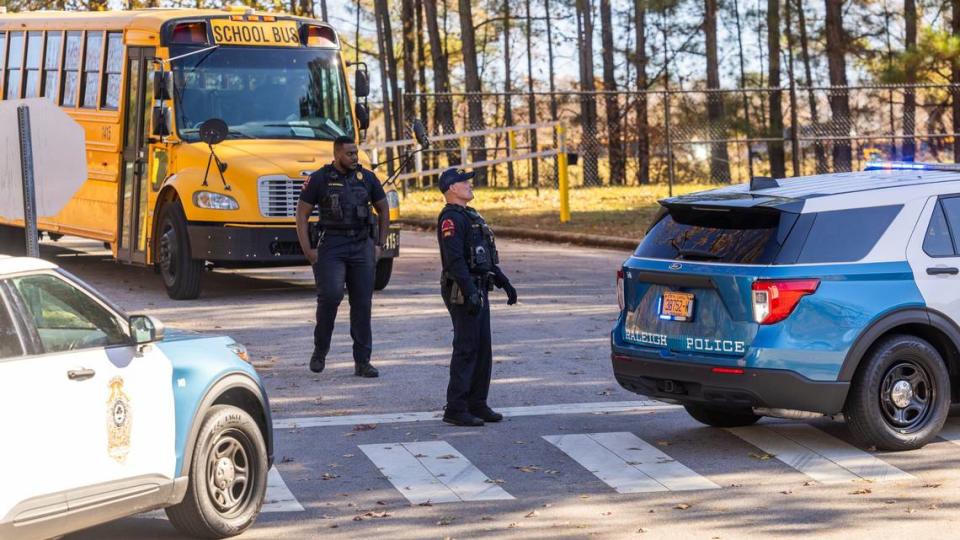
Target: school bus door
134,181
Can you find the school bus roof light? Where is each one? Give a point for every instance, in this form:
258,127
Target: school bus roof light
238,8
318,36
191,32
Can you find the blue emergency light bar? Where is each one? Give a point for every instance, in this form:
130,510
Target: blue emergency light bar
911,166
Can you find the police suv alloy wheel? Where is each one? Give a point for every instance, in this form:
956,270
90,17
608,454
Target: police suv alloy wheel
900,396
723,417
181,273
228,476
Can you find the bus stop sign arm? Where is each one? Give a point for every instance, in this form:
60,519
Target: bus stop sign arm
31,234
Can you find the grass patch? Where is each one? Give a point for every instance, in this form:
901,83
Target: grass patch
623,212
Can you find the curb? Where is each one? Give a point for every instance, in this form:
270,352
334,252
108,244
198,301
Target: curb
580,239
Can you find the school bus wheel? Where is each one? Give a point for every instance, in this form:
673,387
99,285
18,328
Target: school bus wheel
384,270
180,272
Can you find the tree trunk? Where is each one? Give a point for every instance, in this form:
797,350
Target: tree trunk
384,78
442,107
719,159
382,13
777,161
472,83
531,100
409,51
551,77
819,154
421,64
640,62
955,79
748,129
618,167
508,90
305,8
588,105
839,98
323,11
910,74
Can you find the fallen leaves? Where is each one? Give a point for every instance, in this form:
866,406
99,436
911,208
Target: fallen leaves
527,468
446,520
364,427
762,456
371,515
329,476
861,491
533,513
681,506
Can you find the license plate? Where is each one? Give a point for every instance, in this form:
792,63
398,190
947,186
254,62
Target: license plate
676,306
393,241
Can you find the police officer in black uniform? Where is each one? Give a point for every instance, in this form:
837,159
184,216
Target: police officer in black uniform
343,249
470,269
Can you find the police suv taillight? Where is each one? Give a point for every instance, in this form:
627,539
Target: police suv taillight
620,299
775,300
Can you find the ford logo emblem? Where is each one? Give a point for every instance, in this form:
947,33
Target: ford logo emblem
676,266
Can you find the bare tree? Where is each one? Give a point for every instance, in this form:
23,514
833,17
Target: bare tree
531,99
719,158
819,155
618,167
507,87
777,161
409,48
910,77
588,105
443,110
472,83
640,63
839,95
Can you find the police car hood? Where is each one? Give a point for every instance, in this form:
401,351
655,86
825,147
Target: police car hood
253,158
179,334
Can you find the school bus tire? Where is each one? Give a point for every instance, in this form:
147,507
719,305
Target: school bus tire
384,270
180,273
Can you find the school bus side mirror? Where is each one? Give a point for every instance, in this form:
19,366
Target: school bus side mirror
162,85
363,116
361,84
162,124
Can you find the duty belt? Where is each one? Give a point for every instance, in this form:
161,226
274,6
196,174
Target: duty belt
344,232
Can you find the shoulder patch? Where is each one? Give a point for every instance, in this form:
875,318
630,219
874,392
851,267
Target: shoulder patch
448,228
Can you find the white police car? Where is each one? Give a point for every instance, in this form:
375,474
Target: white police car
822,295
104,416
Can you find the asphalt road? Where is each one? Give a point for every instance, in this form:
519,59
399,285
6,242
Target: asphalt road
577,456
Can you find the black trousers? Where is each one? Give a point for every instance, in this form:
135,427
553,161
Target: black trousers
472,359
350,260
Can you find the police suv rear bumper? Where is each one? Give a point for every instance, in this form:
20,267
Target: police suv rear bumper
686,382
231,245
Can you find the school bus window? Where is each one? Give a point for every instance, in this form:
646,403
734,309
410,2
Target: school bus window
51,66
14,66
71,69
91,70
113,70
34,56
3,57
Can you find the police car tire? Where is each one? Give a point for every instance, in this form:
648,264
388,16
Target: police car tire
197,514
722,417
185,284
864,414
384,270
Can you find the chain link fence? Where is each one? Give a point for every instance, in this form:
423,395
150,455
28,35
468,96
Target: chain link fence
719,136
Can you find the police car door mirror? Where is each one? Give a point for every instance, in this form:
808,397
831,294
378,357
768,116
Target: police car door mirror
162,122
420,132
213,131
162,85
145,329
361,84
363,116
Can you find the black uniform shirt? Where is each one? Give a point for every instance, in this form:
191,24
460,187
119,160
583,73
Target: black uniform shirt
316,186
453,234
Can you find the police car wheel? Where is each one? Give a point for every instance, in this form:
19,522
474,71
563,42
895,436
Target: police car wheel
228,476
900,396
723,417
384,270
181,273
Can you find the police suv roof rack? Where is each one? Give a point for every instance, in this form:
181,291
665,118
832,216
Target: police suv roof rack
911,166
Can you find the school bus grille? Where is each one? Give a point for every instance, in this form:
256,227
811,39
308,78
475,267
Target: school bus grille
278,196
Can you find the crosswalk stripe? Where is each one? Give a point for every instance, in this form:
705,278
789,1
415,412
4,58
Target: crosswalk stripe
456,472
407,474
820,456
951,431
627,463
277,499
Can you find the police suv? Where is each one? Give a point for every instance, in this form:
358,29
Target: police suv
828,295
104,416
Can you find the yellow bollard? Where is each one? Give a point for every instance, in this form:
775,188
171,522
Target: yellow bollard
564,179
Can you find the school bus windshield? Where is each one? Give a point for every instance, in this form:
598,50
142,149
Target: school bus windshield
262,93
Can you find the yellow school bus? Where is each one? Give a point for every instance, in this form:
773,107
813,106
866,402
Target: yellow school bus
142,83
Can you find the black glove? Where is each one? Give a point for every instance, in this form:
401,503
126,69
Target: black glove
511,293
474,303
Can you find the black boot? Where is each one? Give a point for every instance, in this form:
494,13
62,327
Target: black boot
461,418
486,413
365,369
317,362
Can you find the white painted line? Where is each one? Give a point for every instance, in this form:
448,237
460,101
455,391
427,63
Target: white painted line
602,407
456,472
407,474
951,431
822,457
277,499
651,461
604,464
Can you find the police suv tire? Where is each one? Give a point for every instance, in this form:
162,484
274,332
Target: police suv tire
869,404
384,270
721,417
199,514
181,274
12,240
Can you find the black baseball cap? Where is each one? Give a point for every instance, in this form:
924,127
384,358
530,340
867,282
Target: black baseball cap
452,176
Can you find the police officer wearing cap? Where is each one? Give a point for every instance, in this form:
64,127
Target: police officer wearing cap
343,249
470,270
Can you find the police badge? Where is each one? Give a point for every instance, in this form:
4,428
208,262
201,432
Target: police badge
118,421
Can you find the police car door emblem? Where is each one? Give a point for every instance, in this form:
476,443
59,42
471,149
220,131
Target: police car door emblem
118,421
676,266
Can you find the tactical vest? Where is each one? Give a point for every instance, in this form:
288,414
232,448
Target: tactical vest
482,254
347,202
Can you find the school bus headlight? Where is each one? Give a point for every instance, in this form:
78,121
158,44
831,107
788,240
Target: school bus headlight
214,201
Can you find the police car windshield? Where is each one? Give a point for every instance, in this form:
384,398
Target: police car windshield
262,93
